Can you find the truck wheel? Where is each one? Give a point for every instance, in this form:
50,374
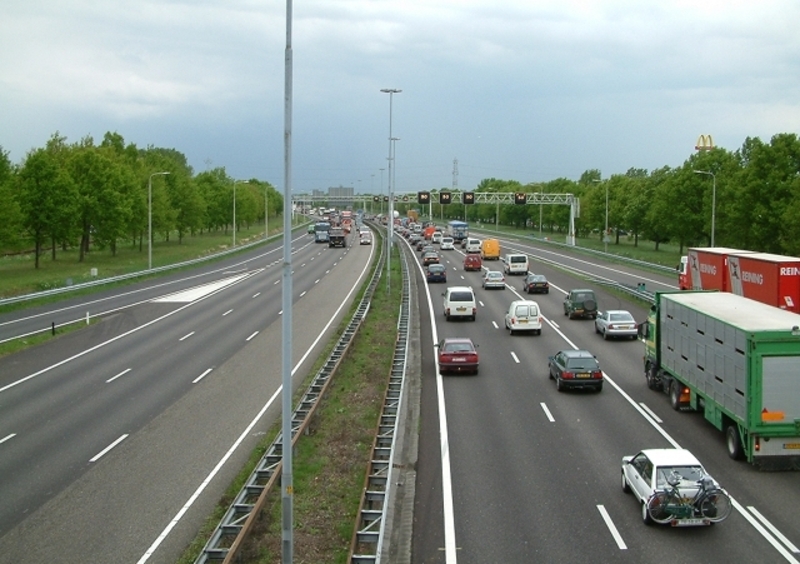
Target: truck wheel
675,395
650,376
735,450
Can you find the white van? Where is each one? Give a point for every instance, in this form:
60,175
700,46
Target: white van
515,264
473,245
524,315
459,301
436,237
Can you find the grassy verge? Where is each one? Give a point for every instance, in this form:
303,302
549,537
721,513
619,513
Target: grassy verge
666,255
330,462
18,275
17,345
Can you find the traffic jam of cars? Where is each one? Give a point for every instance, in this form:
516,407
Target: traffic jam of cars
669,484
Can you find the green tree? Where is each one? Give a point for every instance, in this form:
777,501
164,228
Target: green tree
46,198
11,227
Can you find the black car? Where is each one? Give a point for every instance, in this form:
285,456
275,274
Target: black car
575,369
436,273
535,283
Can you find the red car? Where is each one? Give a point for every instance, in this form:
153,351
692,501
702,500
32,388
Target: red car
473,262
457,354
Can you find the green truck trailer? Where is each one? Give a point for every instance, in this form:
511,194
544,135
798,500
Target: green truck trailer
737,361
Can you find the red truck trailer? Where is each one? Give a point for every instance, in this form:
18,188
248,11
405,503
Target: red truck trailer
705,268
767,278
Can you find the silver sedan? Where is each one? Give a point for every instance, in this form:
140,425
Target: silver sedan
615,323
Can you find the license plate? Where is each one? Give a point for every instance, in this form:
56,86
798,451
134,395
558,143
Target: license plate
461,309
689,522
522,320
459,360
791,446
584,375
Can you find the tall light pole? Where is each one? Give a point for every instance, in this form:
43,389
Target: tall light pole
391,92
713,199
234,207
380,208
150,218
266,211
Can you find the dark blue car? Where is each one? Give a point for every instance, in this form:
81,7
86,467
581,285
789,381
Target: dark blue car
436,273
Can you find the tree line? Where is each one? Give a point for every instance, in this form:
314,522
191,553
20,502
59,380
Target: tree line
96,197
756,193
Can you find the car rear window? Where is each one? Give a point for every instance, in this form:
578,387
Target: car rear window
457,347
585,364
461,297
583,296
620,317
519,258
526,311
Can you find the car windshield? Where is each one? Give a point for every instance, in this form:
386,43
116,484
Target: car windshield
583,364
689,475
461,296
620,317
457,347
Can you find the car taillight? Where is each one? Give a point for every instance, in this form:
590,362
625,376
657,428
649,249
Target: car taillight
567,375
597,374
513,320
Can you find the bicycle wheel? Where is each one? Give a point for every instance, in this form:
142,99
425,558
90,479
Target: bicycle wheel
658,507
715,505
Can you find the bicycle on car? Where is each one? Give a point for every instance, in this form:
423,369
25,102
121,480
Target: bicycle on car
710,504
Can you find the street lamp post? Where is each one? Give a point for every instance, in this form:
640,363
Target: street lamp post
605,233
234,207
391,92
266,211
713,199
150,218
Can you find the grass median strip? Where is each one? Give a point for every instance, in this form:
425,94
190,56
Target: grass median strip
330,462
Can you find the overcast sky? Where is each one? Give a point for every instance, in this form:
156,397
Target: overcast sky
522,90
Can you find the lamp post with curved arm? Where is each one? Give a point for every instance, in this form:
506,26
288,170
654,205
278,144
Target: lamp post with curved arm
713,199
150,218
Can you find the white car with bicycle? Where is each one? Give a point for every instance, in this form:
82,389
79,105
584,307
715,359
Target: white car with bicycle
673,488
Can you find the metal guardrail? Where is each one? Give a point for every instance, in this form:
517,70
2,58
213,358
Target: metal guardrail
128,276
368,538
231,531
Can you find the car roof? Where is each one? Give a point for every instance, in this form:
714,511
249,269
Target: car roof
524,302
618,311
457,340
488,272
671,457
435,266
459,289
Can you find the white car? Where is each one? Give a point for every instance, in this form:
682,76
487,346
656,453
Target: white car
615,323
673,488
473,245
459,301
436,237
494,279
524,315
447,244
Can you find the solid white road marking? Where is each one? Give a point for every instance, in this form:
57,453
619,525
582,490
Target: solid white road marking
780,536
650,412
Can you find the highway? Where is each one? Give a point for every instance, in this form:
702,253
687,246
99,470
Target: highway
117,441
510,470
